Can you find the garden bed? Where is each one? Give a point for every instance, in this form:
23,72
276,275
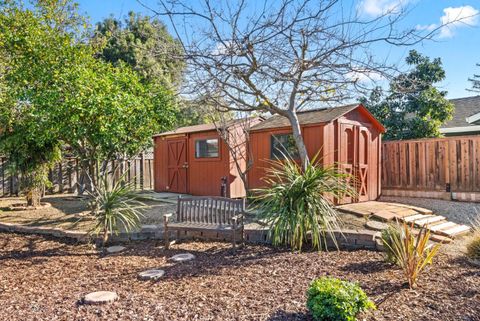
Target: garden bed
47,278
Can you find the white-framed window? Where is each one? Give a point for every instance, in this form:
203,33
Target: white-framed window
206,148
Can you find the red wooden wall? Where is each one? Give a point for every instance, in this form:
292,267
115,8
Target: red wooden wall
333,145
203,175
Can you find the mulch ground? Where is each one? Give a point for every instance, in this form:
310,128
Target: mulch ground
45,279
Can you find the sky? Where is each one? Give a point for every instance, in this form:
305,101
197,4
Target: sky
458,45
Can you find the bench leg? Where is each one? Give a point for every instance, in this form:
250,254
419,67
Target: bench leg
166,234
242,237
234,238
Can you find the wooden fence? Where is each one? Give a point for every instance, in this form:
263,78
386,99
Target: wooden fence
439,167
65,175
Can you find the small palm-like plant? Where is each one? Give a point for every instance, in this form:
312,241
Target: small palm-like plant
411,253
115,206
297,203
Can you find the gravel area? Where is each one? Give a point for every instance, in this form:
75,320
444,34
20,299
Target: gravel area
458,212
45,279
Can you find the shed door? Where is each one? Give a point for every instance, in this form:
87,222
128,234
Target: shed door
177,165
354,149
362,167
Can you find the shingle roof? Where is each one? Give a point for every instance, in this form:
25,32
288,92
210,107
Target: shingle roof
197,128
188,129
464,107
315,116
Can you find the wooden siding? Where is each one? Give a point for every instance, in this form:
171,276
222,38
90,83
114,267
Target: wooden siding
431,164
327,140
203,174
261,145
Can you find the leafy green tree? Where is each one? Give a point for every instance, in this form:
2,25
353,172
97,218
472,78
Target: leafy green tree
414,107
475,80
143,43
67,96
25,131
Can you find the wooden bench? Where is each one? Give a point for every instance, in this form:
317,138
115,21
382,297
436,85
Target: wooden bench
205,215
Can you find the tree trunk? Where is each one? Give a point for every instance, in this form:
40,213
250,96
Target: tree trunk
297,136
33,197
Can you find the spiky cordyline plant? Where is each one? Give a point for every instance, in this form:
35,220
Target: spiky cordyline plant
115,206
298,204
411,253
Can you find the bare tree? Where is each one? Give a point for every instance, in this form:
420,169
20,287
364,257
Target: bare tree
236,135
284,56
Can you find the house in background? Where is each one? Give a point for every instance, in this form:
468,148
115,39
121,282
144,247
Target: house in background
466,118
195,160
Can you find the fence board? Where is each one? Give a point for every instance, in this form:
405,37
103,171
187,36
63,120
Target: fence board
431,164
65,175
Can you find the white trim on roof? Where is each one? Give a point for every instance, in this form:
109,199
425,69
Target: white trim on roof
473,118
464,129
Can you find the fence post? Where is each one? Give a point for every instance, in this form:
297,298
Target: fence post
142,159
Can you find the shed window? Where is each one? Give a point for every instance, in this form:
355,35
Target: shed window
283,146
206,148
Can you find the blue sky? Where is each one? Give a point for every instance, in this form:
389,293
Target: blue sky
457,46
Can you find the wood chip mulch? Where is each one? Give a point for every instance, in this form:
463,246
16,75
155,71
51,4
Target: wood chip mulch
45,279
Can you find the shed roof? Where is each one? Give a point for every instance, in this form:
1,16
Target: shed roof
315,116
197,128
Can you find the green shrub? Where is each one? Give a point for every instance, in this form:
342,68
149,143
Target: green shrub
388,236
334,299
297,203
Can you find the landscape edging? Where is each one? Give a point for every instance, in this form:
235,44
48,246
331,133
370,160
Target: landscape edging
346,239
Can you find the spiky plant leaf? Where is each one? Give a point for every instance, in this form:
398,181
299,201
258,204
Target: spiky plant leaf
298,204
116,207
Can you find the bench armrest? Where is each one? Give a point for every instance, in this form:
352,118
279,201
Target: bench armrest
167,217
237,218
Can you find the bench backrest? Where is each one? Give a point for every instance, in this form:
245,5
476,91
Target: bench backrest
208,210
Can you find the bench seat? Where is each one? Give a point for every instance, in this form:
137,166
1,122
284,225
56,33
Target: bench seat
217,214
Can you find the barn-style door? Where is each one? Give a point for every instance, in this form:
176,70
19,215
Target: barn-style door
177,165
353,159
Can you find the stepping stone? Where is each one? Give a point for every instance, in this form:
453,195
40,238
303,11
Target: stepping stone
375,225
440,239
151,274
100,297
183,257
404,212
456,231
441,226
429,220
115,249
385,215
413,218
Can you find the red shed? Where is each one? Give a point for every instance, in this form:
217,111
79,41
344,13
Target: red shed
347,135
194,159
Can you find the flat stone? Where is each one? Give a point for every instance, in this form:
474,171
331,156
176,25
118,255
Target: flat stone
440,239
441,226
413,218
183,257
115,249
385,215
151,274
429,220
376,225
404,212
456,230
100,297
